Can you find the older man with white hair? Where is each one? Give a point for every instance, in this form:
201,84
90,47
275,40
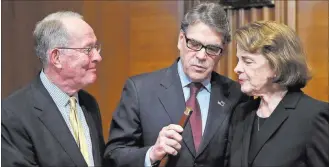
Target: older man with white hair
52,121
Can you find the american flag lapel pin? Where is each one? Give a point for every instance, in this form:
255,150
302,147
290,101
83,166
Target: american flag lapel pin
221,103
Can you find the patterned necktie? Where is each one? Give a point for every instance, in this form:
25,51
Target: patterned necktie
195,119
78,132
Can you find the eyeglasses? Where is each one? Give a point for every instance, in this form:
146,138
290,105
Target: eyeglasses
86,50
197,46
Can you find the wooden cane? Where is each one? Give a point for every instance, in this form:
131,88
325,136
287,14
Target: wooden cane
182,122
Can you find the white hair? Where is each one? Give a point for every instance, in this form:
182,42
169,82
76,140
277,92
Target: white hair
50,32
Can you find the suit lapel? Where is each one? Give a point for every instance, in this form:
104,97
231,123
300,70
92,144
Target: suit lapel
50,116
249,110
172,98
219,108
171,95
272,124
268,128
236,144
246,138
241,137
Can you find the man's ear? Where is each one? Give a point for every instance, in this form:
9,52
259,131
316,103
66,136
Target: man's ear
180,40
54,58
225,49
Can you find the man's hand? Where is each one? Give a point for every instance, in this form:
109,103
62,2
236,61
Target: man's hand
168,142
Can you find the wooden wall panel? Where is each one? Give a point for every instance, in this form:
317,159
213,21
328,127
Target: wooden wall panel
153,35
137,37
312,27
110,21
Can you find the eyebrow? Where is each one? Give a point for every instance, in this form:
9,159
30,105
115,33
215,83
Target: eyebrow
90,44
212,45
247,57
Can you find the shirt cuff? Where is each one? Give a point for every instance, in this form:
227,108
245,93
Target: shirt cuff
147,162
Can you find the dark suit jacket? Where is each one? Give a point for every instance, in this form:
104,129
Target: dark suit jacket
295,135
154,100
34,133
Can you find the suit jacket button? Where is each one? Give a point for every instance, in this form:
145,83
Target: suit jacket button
198,164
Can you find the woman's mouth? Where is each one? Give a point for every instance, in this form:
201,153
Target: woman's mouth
241,81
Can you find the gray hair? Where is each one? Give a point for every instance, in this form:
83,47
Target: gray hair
211,14
51,32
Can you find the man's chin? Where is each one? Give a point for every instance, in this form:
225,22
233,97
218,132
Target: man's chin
91,79
198,77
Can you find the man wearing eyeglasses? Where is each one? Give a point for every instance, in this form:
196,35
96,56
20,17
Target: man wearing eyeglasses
52,121
145,127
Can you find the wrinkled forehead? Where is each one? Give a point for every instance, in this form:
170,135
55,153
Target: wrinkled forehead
79,31
257,57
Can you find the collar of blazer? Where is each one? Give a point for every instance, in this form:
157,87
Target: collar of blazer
48,113
290,100
171,75
279,115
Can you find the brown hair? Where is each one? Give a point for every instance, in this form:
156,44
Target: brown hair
281,46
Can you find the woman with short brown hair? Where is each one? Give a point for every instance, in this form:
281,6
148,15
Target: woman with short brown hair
282,126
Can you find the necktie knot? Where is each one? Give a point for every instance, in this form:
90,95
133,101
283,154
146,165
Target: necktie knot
195,87
73,101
